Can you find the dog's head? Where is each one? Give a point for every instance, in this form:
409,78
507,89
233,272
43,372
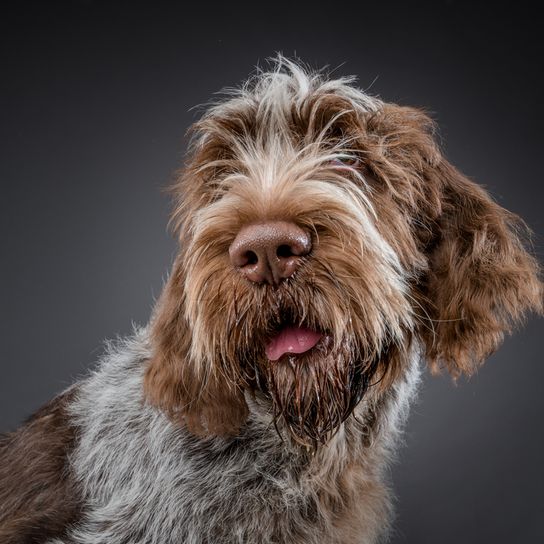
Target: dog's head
322,233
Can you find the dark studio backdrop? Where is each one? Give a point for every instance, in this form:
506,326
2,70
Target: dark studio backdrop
95,101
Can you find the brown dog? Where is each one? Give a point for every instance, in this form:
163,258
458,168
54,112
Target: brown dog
326,248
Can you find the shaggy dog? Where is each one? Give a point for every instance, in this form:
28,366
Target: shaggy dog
326,249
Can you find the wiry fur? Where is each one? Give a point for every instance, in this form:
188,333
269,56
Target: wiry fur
187,432
146,480
404,246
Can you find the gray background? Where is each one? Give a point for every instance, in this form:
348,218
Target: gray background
95,100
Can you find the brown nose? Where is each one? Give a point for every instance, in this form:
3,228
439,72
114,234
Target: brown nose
269,252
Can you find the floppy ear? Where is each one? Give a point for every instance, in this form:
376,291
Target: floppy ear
481,280
478,280
194,393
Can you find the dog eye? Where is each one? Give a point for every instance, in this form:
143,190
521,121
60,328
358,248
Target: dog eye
346,162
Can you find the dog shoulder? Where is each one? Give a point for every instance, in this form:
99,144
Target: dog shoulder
38,495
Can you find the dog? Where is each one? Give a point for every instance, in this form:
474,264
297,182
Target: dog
327,251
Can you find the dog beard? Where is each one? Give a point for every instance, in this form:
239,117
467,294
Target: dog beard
313,393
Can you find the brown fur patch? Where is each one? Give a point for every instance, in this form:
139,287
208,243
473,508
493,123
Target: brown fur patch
480,279
207,403
38,497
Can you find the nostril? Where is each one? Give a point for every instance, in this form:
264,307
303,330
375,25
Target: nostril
284,251
250,257
269,251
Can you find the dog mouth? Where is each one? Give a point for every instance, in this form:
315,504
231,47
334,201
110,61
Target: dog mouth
291,340
313,386
313,382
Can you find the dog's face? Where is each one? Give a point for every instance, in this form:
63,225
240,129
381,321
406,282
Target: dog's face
322,234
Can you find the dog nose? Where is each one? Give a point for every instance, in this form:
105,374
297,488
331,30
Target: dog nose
269,252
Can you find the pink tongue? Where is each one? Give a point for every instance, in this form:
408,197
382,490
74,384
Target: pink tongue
291,340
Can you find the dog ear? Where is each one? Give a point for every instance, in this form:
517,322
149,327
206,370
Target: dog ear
480,280
188,391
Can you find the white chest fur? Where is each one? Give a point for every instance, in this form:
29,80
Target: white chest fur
147,480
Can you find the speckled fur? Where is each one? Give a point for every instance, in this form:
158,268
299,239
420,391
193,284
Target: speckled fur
146,480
